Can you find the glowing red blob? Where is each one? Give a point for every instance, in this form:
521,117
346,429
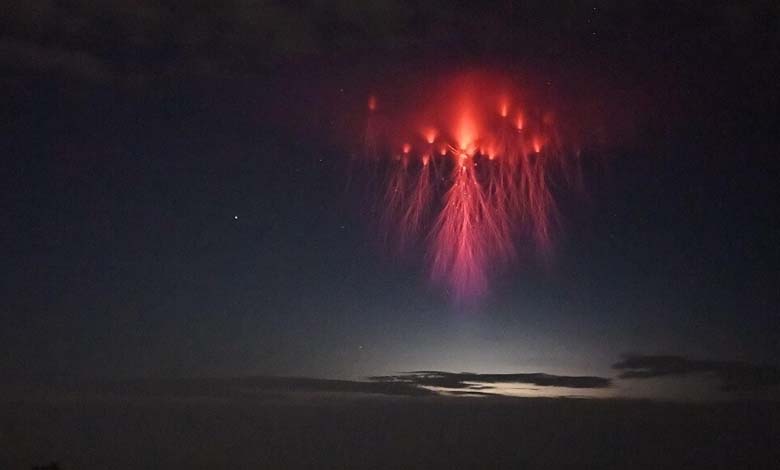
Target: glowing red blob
519,122
504,107
430,135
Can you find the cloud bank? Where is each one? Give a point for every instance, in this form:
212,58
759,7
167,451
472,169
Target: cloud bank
734,376
475,382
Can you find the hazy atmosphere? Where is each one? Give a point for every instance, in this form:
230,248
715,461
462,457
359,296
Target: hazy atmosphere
221,215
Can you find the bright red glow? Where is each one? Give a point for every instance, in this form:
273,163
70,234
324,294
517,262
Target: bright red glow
430,135
504,108
372,103
519,122
465,130
537,145
469,185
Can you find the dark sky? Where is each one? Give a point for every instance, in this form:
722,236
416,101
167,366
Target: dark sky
173,191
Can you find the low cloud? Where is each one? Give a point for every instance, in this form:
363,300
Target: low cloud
219,388
734,376
475,382
23,56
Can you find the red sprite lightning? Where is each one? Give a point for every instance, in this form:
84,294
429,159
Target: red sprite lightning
468,172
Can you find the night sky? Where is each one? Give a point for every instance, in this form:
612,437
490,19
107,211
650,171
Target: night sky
175,198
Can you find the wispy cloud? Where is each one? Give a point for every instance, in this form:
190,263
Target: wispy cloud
474,382
28,56
733,375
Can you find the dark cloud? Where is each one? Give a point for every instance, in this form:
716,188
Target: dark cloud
475,382
243,387
144,38
302,384
470,393
27,56
733,375
409,384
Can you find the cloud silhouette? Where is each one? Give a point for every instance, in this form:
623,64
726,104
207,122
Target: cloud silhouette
288,384
27,56
133,38
257,387
733,375
474,382
152,38
411,384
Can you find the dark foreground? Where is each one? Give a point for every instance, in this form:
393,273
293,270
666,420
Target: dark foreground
336,430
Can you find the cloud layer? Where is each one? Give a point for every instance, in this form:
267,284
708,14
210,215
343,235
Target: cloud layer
136,39
734,376
476,382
